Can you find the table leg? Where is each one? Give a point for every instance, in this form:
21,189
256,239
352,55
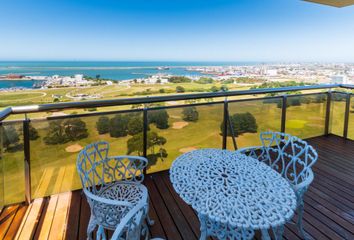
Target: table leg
265,234
278,234
203,228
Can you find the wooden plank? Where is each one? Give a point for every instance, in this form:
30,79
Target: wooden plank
6,218
58,229
333,207
84,217
325,212
180,221
29,223
16,222
72,230
46,224
166,219
187,211
156,230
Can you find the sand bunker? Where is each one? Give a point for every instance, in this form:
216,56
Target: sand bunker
179,125
74,148
187,149
58,114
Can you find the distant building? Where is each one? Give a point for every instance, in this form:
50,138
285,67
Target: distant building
339,79
272,72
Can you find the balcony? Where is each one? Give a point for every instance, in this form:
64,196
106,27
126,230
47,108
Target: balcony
40,190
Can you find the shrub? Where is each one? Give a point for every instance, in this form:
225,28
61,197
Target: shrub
159,118
180,89
102,125
190,114
241,123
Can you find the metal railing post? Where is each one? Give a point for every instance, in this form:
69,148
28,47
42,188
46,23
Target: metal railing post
283,113
328,112
27,158
145,130
346,115
225,121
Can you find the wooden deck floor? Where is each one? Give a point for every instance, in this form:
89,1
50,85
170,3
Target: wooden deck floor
329,209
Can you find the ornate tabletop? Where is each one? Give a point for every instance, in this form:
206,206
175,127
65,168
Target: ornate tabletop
232,193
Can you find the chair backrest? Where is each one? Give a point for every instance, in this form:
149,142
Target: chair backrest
97,170
90,165
289,155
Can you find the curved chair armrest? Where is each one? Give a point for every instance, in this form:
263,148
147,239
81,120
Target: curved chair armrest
129,217
304,184
142,159
106,200
248,149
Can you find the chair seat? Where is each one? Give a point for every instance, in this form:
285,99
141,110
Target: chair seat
110,215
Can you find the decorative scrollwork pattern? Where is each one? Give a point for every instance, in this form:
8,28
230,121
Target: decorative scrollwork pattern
233,194
113,188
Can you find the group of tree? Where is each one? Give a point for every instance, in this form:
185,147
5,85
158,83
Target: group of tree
63,131
297,100
223,88
205,80
180,89
122,125
248,80
190,114
241,123
10,137
179,79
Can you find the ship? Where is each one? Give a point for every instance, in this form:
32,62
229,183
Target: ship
163,68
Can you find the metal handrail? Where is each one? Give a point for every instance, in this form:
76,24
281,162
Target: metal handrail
154,99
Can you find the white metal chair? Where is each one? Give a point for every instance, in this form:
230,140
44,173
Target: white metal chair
133,222
292,158
113,188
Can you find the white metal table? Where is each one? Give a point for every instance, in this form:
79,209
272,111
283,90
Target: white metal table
233,194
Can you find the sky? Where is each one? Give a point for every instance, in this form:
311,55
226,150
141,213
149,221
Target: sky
175,30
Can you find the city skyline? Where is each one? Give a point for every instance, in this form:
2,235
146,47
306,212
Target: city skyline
266,31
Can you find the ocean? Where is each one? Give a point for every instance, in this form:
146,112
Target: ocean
109,70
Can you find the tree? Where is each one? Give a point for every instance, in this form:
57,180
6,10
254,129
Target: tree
241,123
98,76
214,89
179,79
75,129
102,125
204,80
10,136
224,88
33,133
159,118
118,126
56,133
180,89
190,114
154,145
135,125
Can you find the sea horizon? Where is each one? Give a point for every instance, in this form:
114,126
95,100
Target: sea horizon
113,70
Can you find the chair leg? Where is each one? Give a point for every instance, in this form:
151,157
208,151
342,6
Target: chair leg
150,222
100,234
90,228
300,213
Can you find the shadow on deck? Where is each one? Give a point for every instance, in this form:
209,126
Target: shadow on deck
329,205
